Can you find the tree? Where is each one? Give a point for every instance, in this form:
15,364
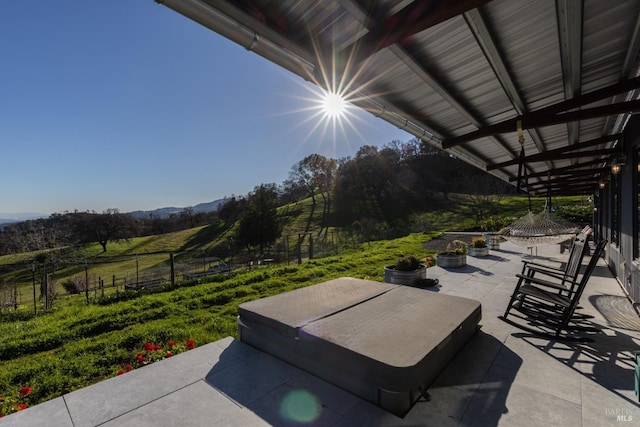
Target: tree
259,225
484,192
187,214
292,191
231,209
315,173
108,226
367,185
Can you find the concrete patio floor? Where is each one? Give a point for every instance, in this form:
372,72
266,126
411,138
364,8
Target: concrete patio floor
503,376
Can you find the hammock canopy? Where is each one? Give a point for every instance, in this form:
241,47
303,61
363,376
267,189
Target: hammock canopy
540,229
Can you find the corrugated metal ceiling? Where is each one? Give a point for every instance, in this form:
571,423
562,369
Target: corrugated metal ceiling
460,73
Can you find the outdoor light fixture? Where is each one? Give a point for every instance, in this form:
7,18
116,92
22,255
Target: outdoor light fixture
602,184
615,168
616,165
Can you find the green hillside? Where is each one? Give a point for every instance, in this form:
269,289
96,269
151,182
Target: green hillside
79,342
194,249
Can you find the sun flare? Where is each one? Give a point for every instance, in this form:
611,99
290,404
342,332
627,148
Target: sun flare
331,109
333,105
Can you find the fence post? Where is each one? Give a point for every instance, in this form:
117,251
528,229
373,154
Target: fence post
334,249
310,246
173,270
299,249
33,276
44,285
230,243
15,295
286,248
86,280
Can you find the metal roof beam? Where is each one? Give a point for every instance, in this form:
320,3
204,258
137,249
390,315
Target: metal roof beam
549,155
569,16
575,186
572,170
629,67
478,27
581,172
559,182
412,19
567,191
543,157
510,125
405,54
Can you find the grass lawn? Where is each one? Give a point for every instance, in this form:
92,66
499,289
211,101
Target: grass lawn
76,344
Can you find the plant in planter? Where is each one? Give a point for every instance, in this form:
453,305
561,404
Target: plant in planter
455,255
408,263
406,271
478,247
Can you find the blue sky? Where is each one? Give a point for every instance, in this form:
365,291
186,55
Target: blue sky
126,104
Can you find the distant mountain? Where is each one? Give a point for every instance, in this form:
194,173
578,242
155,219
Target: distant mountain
156,213
9,218
168,211
209,206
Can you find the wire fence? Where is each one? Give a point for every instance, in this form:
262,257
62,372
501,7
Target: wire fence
39,284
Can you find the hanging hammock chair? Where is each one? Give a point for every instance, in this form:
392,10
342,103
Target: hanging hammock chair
540,229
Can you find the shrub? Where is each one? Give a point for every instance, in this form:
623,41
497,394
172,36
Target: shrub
579,214
496,222
75,285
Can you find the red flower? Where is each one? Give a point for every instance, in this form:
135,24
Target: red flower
21,406
149,346
25,391
169,354
120,372
140,358
171,344
191,344
129,367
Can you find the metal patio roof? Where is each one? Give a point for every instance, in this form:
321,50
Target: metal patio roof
464,75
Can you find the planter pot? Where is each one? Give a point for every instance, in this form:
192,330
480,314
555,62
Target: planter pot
451,261
398,277
478,251
493,240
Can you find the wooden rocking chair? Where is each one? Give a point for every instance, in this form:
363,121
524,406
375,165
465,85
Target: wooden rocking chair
550,303
567,275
